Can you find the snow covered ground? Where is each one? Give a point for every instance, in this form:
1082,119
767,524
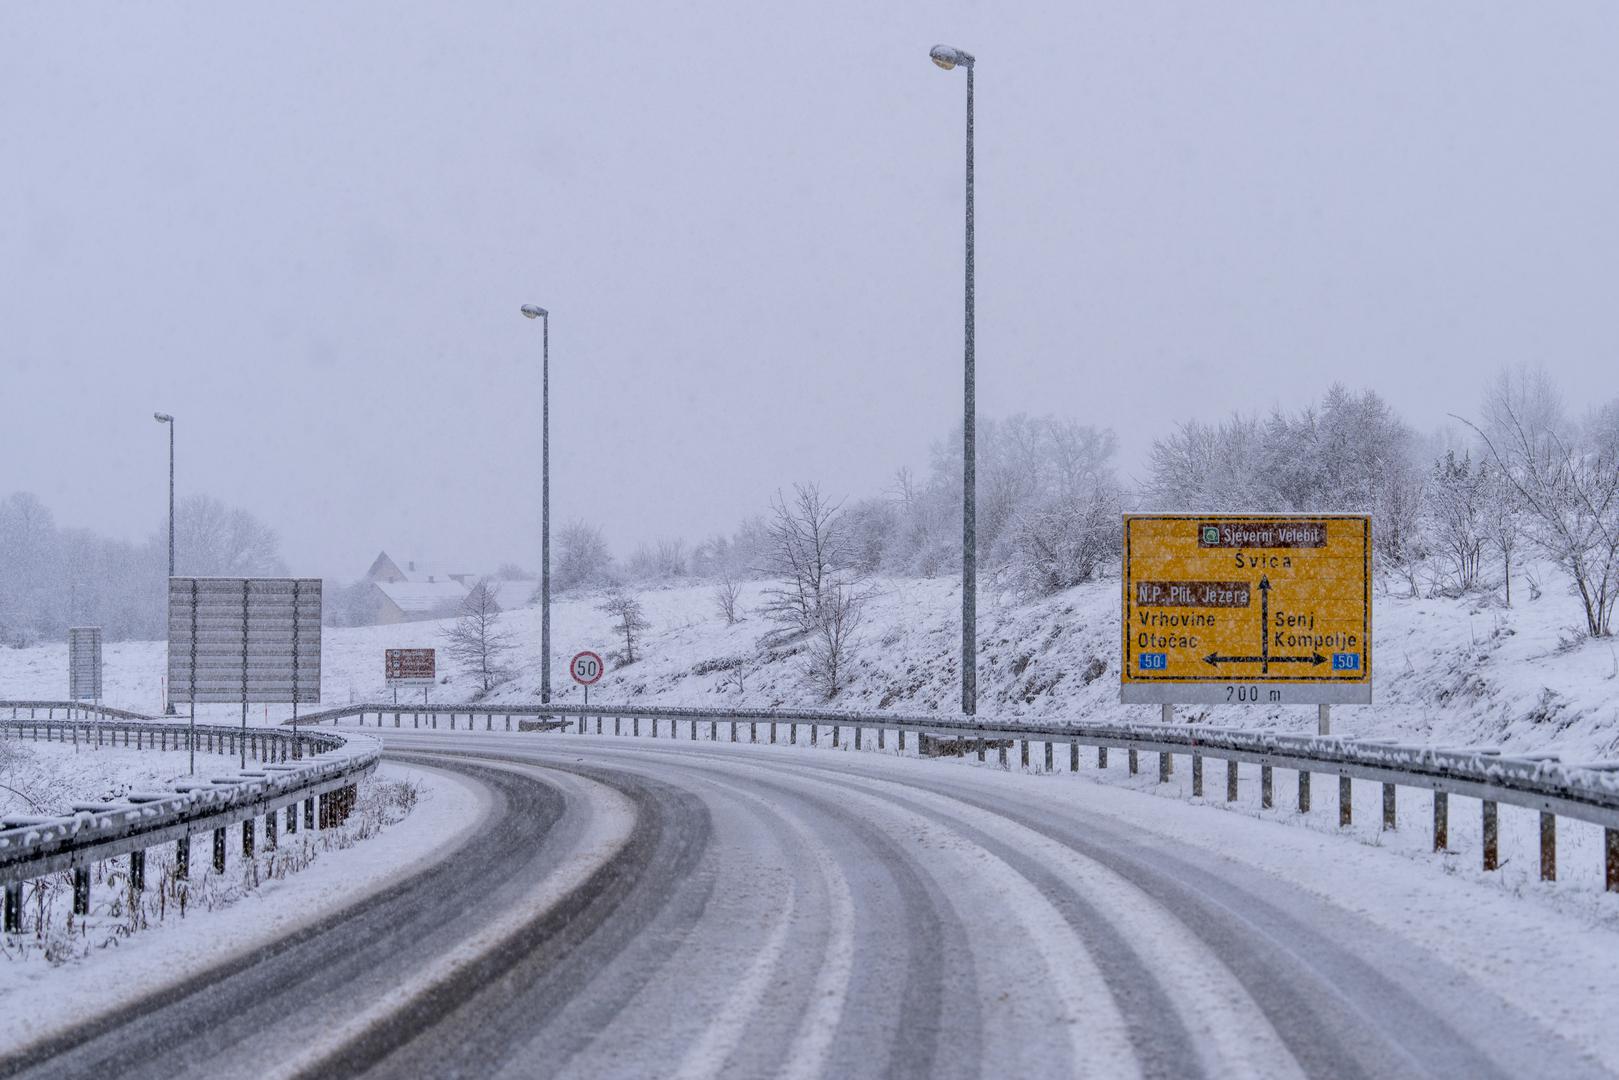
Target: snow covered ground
1445,671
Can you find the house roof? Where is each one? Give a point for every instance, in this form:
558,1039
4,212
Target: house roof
411,570
423,597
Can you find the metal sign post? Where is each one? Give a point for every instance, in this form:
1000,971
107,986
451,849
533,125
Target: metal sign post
1268,609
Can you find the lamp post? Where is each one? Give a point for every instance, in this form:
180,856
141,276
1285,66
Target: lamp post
533,311
168,421
949,58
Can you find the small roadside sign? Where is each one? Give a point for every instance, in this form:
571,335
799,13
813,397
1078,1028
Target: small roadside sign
1247,609
586,668
410,667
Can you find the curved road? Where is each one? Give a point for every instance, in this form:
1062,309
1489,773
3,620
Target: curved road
637,908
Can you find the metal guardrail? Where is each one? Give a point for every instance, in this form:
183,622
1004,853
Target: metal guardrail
293,767
1584,791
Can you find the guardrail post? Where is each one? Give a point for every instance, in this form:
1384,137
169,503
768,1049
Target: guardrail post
182,858
81,890
1073,755
137,872
713,730
1197,774
269,831
1492,832
1049,767
857,736
1388,807
753,730
292,819
1441,821
1610,842
1000,756
309,814
881,741
434,718
792,734
247,839
1346,801
815,731
1231,780
1304,792
1023,757
772,733
654,722
14,904
901,733
1163,767
1134,764
509,723
1265,793
1101,757
1548,846
981,751
836,734
219,851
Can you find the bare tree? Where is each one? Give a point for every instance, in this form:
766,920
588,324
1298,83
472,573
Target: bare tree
807,548
1569,492
1500,523
476,640
725,598
626,610
834,638
1456,506
213,539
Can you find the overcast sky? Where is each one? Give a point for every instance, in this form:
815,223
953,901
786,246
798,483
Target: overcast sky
306,231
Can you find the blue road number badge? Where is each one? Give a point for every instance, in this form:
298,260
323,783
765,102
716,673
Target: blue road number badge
1346,661
1154,661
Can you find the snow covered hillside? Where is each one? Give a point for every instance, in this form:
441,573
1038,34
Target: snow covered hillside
1446,671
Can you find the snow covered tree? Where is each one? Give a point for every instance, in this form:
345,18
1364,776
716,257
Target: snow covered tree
1568,488
215,540
627,614
807,548
834,638
1456,499
477,641
726,594
583,558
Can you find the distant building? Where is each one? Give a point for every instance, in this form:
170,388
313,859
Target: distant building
415,591
384,569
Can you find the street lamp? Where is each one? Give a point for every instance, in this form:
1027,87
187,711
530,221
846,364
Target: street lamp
949,58
167,420
533,311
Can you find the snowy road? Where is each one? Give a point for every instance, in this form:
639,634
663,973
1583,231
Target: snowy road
640,908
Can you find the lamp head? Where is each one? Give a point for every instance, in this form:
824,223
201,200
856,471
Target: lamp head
163,418
534,311
948,57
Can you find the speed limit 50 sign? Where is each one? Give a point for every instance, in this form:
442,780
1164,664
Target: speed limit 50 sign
586,668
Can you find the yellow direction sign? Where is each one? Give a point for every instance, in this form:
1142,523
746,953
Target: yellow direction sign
1247,608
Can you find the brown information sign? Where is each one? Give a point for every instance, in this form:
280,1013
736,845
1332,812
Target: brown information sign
410,667
1249,608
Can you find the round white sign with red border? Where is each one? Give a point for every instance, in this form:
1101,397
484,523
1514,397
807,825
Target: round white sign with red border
587,668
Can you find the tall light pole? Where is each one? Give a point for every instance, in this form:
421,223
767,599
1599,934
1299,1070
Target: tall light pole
168,421
535,312
949,58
